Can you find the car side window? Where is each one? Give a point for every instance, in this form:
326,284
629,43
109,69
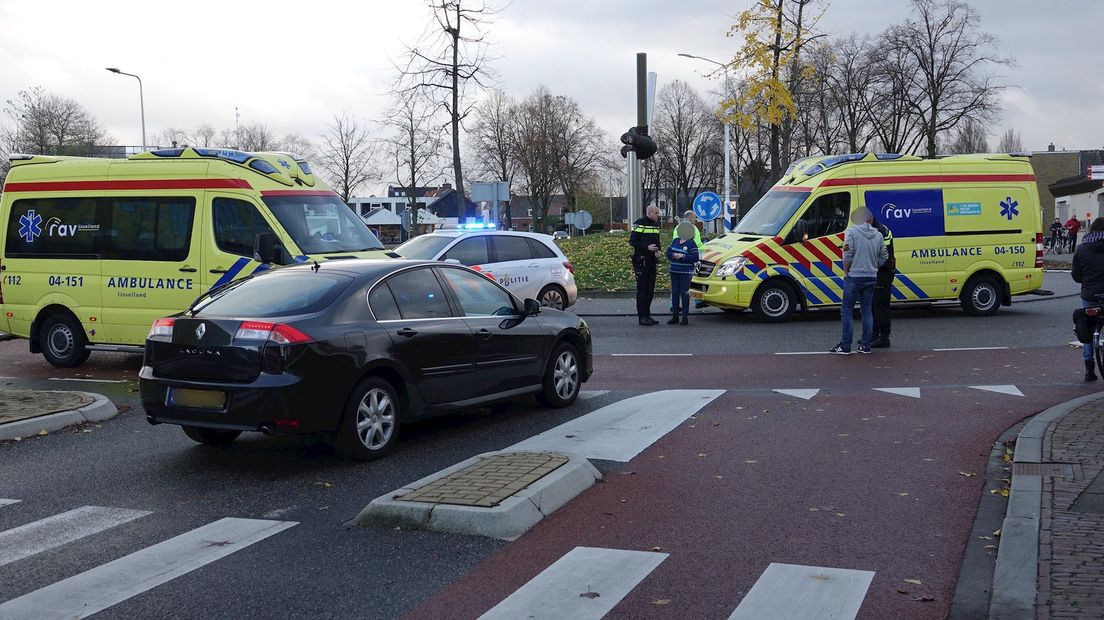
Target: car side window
509,247
470,251
383,304
237,224
826,216
540,250
477,295
419,295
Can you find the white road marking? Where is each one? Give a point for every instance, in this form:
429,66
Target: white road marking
805,592
9,502
97,589
651,354
912,392
60,529
803,353
974,349
585,584
798,393
621,430
88,380
589,394
1011,390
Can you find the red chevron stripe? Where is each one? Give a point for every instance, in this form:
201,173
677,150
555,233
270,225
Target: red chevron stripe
754,259
811,245
797,256
765,249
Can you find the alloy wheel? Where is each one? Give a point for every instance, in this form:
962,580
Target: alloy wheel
565,376
375,419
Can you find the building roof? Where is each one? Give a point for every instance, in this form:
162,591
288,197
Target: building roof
1080,184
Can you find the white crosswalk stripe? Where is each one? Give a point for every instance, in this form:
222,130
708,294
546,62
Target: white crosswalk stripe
804,394
589,394
805,593
911,392
45,534
8,502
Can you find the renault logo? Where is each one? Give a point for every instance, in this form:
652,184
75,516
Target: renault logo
202,329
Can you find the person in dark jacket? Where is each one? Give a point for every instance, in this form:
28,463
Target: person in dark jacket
1088,271
644,239
882,292
683,254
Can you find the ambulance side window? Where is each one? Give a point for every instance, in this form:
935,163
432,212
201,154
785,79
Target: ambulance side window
148,228
54,227
826,216
237,224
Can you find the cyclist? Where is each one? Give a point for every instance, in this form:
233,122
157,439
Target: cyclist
1088,271
1055,231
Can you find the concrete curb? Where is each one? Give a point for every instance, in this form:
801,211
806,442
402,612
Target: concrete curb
510,519
1016,576
98,410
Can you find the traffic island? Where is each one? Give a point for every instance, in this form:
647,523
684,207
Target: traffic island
496,494
24,413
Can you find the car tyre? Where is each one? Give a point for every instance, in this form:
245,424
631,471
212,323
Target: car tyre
62,341
562,378
210,436
774,301
981,296
553,297
370,426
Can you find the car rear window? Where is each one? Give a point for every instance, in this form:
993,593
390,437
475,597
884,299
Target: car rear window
273,295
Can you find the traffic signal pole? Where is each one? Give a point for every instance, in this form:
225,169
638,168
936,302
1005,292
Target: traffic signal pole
636,190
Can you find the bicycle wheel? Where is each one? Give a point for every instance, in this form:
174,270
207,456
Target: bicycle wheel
1098,352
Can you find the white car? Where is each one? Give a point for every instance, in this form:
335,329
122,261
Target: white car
530,265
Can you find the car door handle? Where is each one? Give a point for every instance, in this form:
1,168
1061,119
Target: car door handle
218,271
407,332
484,334
188,269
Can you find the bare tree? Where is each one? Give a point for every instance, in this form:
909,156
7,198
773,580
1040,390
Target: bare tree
490,138
300,146
889,100
580,148
848,80
687,133
46,124
449,60
1010,142
534,147
952,56
257,137
347,154
969,137
413,146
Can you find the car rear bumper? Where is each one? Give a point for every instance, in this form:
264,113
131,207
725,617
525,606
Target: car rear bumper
266,404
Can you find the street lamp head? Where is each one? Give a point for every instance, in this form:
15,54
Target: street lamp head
113,70
685,55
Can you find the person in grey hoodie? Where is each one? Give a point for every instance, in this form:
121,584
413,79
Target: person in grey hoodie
864,252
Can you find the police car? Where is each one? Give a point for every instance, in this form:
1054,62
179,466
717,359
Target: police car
528,264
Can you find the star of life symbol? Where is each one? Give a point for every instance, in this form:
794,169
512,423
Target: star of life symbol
30,226
1008,208
285,164
202,329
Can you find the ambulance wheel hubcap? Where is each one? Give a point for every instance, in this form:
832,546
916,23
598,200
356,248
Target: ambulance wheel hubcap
984,297
60,340
775,302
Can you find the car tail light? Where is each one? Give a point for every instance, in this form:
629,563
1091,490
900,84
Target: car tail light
569,267
288,422
161,331
272,332
1092,311
1038,250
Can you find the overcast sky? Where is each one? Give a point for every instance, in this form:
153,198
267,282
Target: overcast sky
292,65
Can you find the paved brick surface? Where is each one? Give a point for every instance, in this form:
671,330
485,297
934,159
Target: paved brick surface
23,404
489,481
1071,540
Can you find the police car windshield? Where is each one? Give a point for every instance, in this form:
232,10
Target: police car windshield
322,224
425,247
771,213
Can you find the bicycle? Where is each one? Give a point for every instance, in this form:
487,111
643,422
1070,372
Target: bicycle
1090,330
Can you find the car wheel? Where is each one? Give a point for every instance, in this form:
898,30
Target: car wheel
774,301
562,378
552,296
62,341
370,427
210,436
981,297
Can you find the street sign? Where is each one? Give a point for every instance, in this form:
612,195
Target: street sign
1096,173
582,219
707,206
569,218
490,191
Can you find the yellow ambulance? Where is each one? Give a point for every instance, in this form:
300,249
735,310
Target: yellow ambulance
96,249
966,228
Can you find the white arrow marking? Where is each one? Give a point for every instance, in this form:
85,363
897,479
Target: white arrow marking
912,392
1011,390
800,393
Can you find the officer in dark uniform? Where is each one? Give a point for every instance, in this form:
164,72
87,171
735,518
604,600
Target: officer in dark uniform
882,290
644,239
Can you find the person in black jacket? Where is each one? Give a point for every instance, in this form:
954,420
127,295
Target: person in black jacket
644,239
882,292
1088,271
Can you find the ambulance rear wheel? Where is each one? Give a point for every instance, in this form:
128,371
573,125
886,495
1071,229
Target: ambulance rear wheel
774,301
981,297
62,341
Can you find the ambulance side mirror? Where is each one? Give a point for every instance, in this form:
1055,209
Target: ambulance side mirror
266,249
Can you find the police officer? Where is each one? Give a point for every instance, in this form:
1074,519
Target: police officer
882,292
644,239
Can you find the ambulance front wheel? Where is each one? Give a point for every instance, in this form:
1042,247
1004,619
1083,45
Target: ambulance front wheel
774,301
981,296
62,341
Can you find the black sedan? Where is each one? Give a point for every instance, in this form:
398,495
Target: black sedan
353,349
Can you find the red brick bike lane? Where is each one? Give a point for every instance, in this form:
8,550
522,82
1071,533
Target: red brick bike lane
853,478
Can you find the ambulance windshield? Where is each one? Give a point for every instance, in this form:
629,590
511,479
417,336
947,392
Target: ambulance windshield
321,224
771,213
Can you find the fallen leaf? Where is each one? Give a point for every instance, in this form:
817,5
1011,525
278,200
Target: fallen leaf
589,595
985,538
843,435
923,599
750,461
840,514
996,532
913,581
1001,492
990,546
716,424
324,484
662,601
903,494
624,500
657,548
628,473
702,454
43,432
814,510
968,474
718,477
693,426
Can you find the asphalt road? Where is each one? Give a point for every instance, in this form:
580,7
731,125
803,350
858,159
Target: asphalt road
850,450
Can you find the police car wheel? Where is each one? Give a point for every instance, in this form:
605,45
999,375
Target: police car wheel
370,427
981,296
210,436
62,341
562,378
552,297
774,301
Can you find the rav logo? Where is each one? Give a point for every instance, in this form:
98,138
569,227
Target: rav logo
191,351
892,211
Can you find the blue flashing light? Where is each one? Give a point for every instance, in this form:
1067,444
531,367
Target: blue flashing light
238,157
168,152
887,156
262,166
478,226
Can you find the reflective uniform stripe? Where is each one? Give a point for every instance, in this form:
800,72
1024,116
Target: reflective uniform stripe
646,230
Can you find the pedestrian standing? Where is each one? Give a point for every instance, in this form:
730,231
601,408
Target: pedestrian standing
882,291
864,251
683,254
644,239
690,217
1088,271
1074,227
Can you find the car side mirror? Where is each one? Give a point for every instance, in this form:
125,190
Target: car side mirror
266,248
532,307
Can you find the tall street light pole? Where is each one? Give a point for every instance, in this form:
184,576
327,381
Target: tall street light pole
727,134
141,101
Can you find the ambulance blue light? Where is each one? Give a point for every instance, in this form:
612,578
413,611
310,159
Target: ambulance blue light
237,157
262,166
887,156
168,152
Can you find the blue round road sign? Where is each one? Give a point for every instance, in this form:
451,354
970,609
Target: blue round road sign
707,206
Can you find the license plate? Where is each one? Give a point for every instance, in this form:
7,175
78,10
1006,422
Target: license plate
197,399
696,294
